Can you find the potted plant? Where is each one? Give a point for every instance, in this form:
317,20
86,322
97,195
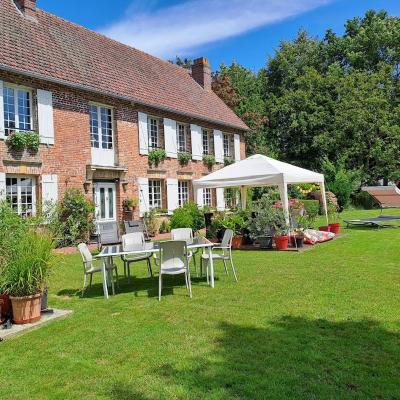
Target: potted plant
280,229
130,203
333,217
25,275
236,223
303,222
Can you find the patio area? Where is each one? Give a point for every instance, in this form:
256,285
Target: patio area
319,324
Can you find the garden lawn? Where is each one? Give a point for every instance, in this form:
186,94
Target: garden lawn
321,324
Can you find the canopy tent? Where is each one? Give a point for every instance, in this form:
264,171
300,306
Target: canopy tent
259,170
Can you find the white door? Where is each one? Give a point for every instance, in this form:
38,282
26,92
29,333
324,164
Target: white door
104,198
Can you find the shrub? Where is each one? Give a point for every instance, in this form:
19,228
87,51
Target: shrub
165,226
189,216
152,222
364,200
311,207
24,140
236,222
32,141
184,157
209,160
228,161
156,156
75,216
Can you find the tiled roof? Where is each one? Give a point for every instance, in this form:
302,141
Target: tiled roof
60,50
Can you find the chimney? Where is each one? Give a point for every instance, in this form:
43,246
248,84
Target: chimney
27,7
201,72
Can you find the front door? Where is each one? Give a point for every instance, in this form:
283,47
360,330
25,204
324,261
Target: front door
104,198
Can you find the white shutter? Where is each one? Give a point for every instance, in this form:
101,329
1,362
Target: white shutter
143,134
1,111
219,146
49,191
143,184
170,138
172,195
200,200
45,116
220,199
2,186
197,142
237,147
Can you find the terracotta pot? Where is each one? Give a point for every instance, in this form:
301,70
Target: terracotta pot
334,228
237,241
281,242
324,228
26,309
5,305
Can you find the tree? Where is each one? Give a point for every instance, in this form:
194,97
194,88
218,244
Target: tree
185,63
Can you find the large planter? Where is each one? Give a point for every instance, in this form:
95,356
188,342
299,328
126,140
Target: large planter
26,309
334,228
265,242
324,228
281,242
237,242
5,306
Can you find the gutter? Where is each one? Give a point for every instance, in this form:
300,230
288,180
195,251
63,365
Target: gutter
132,100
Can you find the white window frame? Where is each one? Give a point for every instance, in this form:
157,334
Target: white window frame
19,194
207,197
155,199
151,118
206,141
226,138
182,147
183,193
99,127
16,107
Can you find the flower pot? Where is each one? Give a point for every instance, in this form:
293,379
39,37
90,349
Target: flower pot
265,242
281,242
299,241
5,306
334,228
324,228
26,309
237,241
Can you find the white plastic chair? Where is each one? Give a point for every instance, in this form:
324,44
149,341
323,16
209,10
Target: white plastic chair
89,268
133,242
226,254
185,234
174,261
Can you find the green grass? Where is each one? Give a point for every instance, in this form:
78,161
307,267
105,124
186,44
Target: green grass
322,324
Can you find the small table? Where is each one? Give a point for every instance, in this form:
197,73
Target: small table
149,247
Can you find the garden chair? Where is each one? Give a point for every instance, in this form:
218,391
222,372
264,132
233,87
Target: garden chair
89,268
226,254
187,235
133,242
108,234
173,261
136,226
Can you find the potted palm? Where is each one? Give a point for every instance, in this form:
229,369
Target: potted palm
25,274
333,217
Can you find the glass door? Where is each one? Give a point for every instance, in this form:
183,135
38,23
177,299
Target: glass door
104,198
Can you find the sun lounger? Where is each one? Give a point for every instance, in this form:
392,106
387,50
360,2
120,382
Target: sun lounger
386,197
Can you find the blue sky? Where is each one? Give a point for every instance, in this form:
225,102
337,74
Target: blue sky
245,31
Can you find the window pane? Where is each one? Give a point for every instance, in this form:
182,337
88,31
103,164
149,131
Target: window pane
207,199
24,110
182,138
111,202
183,193
155,199
227,152
94,126
102,203
153,133
106,128
206,143
20,194
9,109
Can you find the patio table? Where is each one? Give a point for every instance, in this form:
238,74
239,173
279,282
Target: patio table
108,252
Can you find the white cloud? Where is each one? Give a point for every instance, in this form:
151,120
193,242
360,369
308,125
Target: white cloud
180,28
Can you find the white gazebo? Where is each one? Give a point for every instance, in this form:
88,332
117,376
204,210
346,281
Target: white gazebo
259,170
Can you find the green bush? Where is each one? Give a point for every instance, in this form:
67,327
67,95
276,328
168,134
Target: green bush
165,226
209,160
156,156
184,157
364,200
311,207
236,222
189,216
24,140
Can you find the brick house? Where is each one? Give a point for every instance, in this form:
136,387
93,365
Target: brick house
99,108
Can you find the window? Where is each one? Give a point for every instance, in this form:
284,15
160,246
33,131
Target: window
153,131
206,142
230,198
207,197
183,193
227,147
101,127
17,109
155,198
20,193
182,137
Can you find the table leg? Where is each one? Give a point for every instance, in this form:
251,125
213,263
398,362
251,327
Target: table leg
110,260
104,277
211,266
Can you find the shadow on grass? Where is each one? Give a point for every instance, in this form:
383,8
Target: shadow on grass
294,358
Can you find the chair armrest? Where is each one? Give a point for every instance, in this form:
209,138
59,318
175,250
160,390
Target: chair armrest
220,248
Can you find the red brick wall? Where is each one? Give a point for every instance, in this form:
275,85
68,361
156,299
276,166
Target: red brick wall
71,152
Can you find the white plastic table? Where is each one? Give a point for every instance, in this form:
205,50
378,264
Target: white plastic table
108,252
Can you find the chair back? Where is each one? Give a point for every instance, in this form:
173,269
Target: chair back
134,226
227,239
87,257
182,234
108,233
133,241
172,254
